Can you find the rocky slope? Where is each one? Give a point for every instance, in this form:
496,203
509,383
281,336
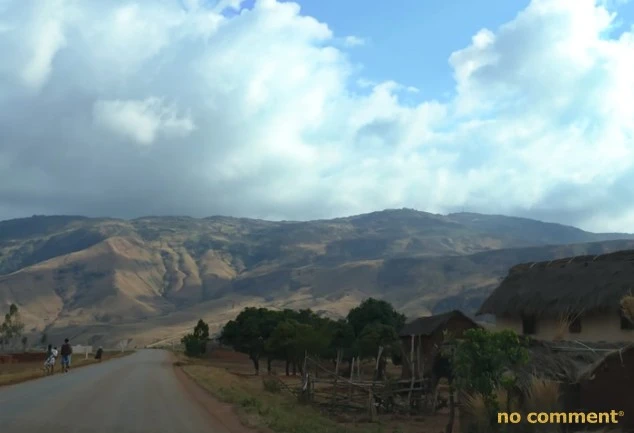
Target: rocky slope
102,280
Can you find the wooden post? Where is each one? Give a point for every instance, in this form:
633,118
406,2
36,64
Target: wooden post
334,396
376,367
419,359
452,401
412,372
351,378
371,406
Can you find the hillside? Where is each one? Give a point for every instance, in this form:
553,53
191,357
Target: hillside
100,280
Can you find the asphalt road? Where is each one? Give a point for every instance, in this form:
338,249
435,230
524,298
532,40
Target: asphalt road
139,393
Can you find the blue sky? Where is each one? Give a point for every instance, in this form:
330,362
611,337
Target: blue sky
410,43
263,108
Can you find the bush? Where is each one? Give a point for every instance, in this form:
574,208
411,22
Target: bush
272,385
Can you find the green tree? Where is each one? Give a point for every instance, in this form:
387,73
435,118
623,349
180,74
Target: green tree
12,326
201,331
484,361
249,332
374,336
342,339
281,343
196,342
375,311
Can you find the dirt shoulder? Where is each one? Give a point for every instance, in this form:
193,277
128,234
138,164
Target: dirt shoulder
261,410
11,374
221,413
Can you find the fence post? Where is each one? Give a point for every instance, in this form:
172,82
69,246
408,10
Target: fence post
351,378
334,396
378,359
412,367
371,406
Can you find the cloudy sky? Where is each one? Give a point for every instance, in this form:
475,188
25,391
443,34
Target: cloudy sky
318,108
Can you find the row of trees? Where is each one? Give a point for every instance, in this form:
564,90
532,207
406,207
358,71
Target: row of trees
288,335
11,328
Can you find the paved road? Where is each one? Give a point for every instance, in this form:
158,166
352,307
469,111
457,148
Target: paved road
135,394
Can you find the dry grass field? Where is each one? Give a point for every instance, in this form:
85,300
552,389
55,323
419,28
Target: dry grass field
229,376
21,372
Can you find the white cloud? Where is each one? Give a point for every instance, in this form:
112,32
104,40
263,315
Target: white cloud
353,41
142,120
257,114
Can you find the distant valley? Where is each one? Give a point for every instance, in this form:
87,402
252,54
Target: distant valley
102,280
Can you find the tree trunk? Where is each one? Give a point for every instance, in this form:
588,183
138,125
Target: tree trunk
381,370
268,365
294,368
256,364
287,367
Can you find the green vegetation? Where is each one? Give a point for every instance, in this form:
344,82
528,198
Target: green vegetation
265,405
484,365
12,327
369,331
196,342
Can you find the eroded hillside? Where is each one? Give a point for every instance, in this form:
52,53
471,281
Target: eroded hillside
104,279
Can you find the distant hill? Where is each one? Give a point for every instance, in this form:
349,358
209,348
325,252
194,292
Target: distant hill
100,280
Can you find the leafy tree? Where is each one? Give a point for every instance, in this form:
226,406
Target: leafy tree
375,311
12,326
201,331
249,332
341,339
374,336
196,342
282,343
484,361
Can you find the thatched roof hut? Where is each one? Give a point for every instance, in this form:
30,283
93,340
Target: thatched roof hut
565,286
426,326
422,338
565,361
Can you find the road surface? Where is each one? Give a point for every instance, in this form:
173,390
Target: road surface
139,393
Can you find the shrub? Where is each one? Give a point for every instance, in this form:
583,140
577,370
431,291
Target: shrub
272,385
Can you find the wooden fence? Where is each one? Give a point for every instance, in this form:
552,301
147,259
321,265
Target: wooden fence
335,393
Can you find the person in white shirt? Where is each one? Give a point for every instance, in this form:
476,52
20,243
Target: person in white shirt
49,364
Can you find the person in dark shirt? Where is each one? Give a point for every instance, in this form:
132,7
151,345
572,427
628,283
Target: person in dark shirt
99,354
66,352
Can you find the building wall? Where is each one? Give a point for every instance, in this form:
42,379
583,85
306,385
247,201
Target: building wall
597,327
610,388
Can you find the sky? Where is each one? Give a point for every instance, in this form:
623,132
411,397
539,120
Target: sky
318,108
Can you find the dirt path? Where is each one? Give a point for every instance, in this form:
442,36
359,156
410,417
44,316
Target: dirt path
140,393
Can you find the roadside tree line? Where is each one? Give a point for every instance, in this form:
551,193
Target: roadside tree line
288,335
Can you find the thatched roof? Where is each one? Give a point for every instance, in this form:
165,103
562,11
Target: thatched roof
564,286
566,361
430,324
618,353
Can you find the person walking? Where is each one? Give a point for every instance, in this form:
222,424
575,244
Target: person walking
66,353
51,356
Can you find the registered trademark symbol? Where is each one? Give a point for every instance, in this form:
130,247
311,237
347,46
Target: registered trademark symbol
621,413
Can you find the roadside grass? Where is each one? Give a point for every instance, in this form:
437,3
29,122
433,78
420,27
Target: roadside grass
268,411
11,374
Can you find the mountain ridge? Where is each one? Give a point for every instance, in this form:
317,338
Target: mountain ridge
110,278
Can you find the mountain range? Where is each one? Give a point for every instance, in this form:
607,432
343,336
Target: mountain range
147,280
